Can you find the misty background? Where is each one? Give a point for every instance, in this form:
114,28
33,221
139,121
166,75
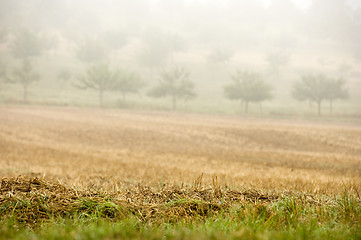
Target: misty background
280,40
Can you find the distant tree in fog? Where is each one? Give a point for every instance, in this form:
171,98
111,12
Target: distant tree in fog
318,88
276,59
153,56
27,44
176,84
64,75
115,39
159,48
336,90
128,82
98,77
247,87
25,76
91,51
3,34
218,57
2,75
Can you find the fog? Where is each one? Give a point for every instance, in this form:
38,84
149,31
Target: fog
211,45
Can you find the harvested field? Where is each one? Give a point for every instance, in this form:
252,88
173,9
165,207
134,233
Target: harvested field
110,149
103,174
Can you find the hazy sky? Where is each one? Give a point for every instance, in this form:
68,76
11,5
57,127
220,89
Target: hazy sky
300,3
305,3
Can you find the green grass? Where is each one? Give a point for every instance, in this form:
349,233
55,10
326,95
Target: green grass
105,218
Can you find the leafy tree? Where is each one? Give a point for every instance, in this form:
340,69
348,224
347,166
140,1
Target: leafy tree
2,75
336,90
91,51
100,78
247,87
25,76
27,44
318,88
277,59
64,75
160,47
128,82
176,84
115,39
3,34
218,57
155,52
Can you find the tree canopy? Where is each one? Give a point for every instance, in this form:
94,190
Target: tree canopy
27,44
247,87
176,84
25,76
100,78
128,82
2,74
91,51
318,88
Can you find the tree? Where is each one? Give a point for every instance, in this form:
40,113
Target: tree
128,82
64,75
3,34
2,75
276,59
25,76
91,51
247,87
218,57
27,44
336,90
100,78
176,84
115,39
318,88
160,47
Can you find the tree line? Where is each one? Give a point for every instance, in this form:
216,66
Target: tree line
246,86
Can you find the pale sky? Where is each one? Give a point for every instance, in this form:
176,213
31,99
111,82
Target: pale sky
300,3
305,3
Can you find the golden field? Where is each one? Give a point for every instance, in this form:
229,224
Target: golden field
113,149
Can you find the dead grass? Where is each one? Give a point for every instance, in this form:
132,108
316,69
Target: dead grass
35,200
110,149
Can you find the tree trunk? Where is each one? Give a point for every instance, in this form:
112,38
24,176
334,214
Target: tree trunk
331,107
174,101
260,106
246,107
123,93
101,98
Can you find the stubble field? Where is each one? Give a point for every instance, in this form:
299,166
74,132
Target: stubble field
151,159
